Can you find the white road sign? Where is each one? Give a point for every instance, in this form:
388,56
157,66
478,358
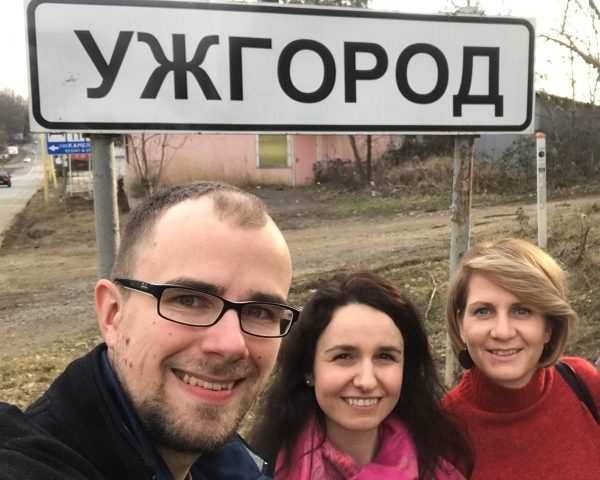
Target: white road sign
116,66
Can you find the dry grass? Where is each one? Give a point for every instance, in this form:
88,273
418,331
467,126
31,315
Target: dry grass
23,378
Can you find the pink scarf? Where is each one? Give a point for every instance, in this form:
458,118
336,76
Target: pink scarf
316,458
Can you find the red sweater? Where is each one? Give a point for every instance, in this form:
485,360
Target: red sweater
541,431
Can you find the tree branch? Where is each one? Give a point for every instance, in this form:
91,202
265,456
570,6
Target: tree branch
594,8
586,57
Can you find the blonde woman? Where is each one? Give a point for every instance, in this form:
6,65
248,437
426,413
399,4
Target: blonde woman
508,319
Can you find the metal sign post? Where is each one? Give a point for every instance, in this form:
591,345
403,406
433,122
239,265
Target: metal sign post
542,206
105,202
460,216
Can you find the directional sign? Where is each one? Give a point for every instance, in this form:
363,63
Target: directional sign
127,65
66,143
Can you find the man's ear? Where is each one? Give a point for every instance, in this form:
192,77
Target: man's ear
109,307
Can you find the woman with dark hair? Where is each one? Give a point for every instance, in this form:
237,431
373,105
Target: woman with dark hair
355,394
509,320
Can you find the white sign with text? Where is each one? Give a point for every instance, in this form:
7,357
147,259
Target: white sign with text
122,66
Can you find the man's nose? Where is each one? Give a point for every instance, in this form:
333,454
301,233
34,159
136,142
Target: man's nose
225,338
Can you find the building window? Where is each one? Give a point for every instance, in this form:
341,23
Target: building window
272,151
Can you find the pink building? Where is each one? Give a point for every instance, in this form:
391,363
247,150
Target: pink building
250,158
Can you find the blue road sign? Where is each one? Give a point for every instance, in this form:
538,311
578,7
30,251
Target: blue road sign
59,144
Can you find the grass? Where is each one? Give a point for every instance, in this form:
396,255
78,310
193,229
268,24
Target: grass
23,378
380,202
375,206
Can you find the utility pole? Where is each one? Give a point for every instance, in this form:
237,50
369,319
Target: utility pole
105,202
460,215
460,211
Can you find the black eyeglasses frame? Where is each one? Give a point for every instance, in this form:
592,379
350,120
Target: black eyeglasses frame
156,290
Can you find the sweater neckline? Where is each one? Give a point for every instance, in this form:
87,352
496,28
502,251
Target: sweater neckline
494,398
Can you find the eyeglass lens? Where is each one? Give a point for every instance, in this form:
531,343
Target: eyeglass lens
198,308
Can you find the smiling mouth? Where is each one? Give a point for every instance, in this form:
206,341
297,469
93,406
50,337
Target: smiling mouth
198,382
361,402
505,353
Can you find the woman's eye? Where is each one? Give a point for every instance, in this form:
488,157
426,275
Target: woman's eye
387,357
482,312
522,311
342,356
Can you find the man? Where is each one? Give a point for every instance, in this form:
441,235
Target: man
192,321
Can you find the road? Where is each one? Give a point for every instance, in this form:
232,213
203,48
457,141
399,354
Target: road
26,180
374,243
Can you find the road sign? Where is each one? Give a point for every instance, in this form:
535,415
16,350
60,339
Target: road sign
200,66
66,143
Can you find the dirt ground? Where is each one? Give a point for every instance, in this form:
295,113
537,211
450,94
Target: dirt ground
48,270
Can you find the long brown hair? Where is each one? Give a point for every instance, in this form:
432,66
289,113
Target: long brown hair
288,402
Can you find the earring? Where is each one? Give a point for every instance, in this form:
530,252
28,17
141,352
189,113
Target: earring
308,382
546,352
465,360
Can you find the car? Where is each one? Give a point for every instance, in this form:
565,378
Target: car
5,179
27,160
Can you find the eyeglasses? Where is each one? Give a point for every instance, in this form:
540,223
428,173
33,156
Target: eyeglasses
196,308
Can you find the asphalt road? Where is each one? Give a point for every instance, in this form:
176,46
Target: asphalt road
26,180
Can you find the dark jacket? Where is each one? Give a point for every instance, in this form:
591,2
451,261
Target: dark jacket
76,431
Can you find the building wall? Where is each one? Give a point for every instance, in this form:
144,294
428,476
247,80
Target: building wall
233,158
553,115
304,157
230,158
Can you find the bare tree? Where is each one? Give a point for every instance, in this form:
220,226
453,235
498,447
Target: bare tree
13,115
579,34
362,167
149,154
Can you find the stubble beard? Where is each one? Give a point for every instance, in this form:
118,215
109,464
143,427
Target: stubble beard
205,428
210,429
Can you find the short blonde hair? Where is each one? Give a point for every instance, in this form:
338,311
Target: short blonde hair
524,270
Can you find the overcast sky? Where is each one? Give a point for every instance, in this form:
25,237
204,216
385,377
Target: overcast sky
547,14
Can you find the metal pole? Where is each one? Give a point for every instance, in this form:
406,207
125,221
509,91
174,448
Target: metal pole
290,141
460,215
45,160
542,206
105,202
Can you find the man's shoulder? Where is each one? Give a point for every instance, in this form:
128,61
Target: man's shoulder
235,460
63,433
28,451
11,419
62,402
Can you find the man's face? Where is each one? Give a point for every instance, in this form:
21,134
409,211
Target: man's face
191,386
